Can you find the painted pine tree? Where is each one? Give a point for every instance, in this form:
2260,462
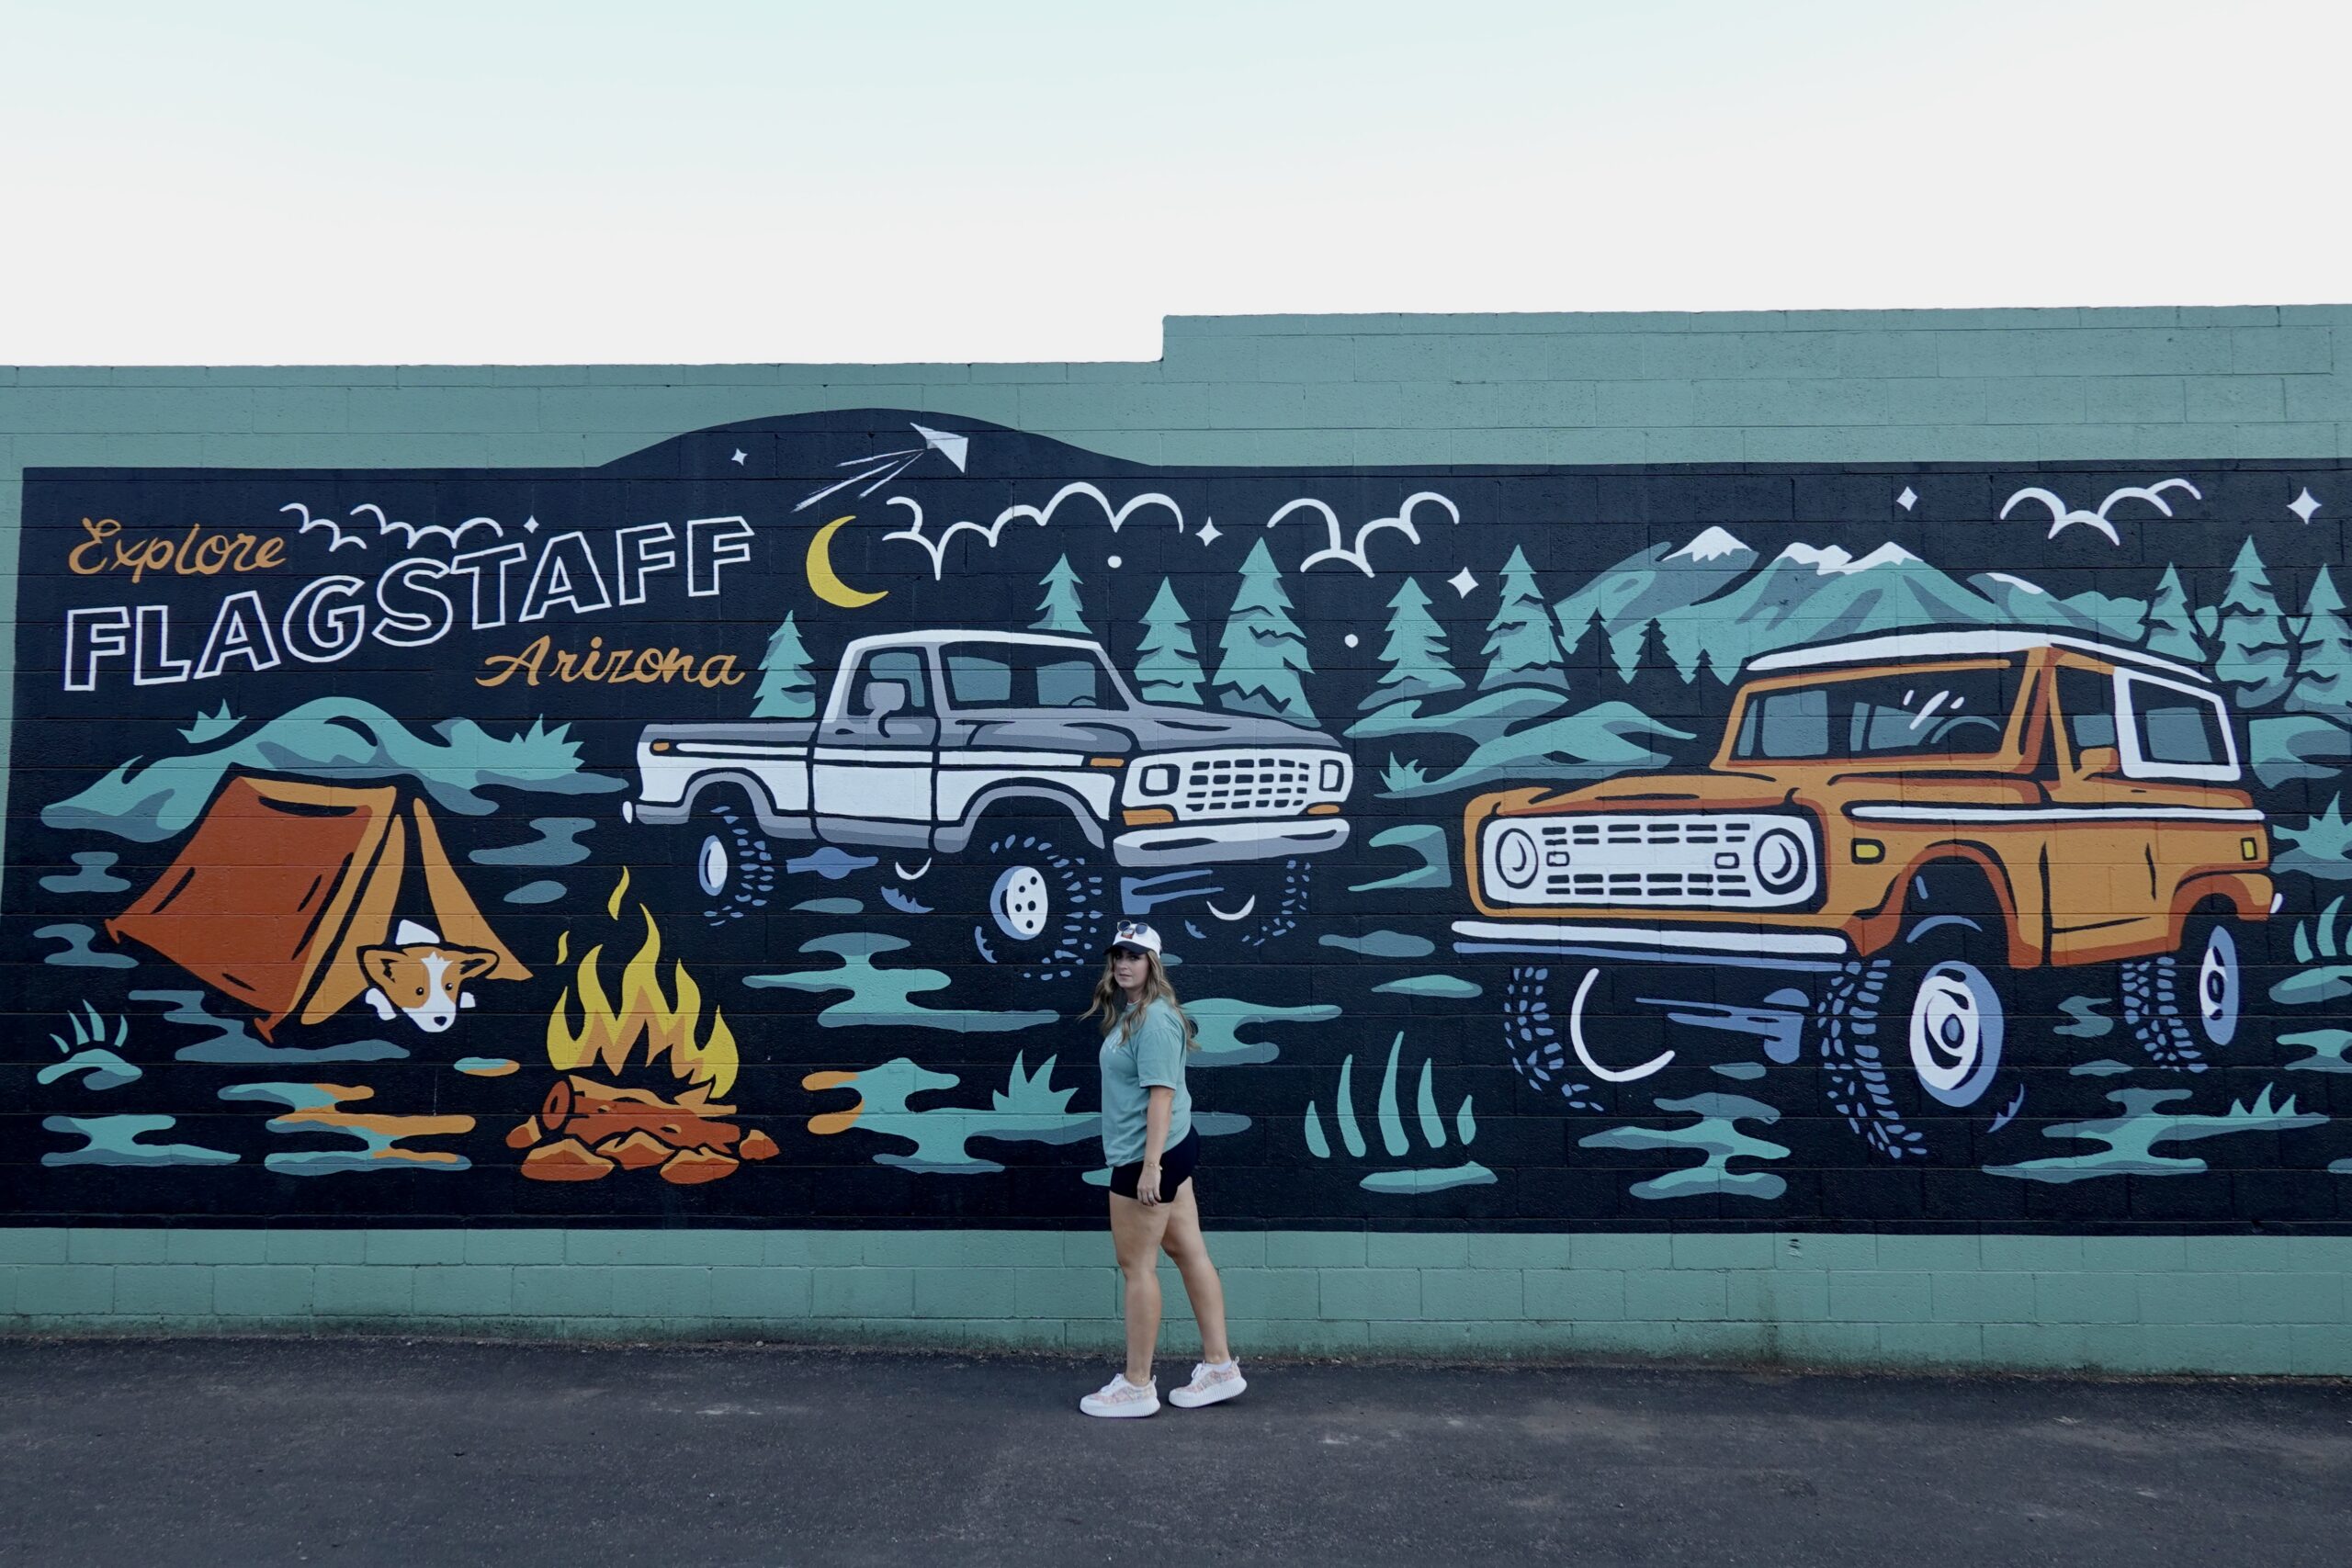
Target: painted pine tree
2172,624
1521,648
1168,666
1263,652
2252,653
2323,652
787,689
1060,610
1414,652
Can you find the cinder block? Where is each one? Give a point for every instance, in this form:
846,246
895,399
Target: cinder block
662,1291
1573,1296
315,1247
2033,1254
814,1249
1675,1295
2191,1296
1931,1344
1800,1249
164,1290
701,1249
965,1292
1070,1292
1721,1249
2129,399
368,1290
2322,1351
858,1291
1514,1250
2086,1298
2224,399
464,1290
1878,1297
63,1289
566,1291
1315,1249
538,1247
2291,351
93,1244
1370,1293
773,1295
2317,1299
1472,1295
1620,1249
1009,1249
32,1245
1928,1253
280,1291
1416,1249
215,1247
1269,1292
1981,1296
415,1247
2233,1347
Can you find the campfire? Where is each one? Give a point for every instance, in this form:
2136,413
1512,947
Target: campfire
642,1074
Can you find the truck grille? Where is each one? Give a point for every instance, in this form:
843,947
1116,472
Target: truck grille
1245,785
1704,861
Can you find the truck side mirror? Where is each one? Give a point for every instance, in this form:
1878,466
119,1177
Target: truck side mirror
880,699
2099,760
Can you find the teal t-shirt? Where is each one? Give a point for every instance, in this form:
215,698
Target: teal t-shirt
1153,1057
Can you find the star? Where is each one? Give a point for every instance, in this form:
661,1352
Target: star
1350,640
1461,582
1908,499
530,525
2304,505
738,459
1210,532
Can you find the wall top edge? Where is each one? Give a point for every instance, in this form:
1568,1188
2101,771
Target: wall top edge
2108,316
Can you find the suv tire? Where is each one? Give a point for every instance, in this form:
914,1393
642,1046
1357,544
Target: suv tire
1914,1035
2178,1004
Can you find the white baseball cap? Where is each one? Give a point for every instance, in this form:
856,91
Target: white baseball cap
1135,936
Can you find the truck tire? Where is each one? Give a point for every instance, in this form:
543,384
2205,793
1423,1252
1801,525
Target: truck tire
1914,1034
731,871
2177,1005
1040,907
1271,903
1545,1042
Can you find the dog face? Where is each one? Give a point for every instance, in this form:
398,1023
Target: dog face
425,981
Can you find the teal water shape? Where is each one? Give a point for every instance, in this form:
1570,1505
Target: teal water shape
122,1141
880,998
2130,1140
1715,1134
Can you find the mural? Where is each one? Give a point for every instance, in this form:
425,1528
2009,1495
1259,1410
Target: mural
727,835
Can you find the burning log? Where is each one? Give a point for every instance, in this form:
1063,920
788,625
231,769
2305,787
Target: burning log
587,1128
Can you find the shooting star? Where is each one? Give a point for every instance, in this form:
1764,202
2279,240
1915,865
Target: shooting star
881,467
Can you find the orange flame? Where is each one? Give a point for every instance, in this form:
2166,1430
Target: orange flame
609,1033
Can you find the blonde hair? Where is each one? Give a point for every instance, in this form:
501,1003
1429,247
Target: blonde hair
1108,998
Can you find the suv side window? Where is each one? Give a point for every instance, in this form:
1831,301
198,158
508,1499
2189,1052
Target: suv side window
904,665
2176,732
2087,700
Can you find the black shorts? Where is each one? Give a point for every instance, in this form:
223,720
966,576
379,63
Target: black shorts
1176,1167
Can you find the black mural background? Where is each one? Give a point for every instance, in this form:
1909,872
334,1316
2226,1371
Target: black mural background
131,1091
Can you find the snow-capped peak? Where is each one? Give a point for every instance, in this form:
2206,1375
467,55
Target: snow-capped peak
1713,545
1832,561
2020,583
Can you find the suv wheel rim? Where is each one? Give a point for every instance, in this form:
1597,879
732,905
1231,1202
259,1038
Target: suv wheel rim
711,866
1955,1033
2217,985
1022,903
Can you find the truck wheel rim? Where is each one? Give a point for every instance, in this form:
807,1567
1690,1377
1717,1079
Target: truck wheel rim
1022,903
711,866
1955,1033
2217,987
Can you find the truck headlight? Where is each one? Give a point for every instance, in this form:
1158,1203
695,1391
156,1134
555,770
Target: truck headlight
1157,779
1516,859
1781,859
1331,777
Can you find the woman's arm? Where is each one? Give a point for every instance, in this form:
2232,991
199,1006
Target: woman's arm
1160,1109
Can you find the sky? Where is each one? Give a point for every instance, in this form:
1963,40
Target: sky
523,181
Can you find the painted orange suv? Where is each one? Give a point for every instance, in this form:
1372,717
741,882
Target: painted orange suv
1890,827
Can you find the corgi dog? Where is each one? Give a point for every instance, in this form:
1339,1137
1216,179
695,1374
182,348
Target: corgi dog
420,977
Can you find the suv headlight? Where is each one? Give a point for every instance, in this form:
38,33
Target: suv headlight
1331,776
1159,778
1515,857
1781,860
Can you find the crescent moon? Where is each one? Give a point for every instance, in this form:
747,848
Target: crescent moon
827,584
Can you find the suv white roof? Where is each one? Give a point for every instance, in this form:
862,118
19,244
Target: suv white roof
932,639
1949,644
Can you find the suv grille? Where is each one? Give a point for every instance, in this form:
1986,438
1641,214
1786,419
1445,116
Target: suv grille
1700,861
1245,785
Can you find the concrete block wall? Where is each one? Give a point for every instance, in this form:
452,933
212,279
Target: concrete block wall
2072,386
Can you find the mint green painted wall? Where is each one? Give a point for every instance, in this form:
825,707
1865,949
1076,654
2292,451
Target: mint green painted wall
1764,386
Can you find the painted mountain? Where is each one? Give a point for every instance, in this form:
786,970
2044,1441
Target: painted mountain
1713,596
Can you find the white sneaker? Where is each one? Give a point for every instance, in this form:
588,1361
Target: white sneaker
1210,1385
1120,1397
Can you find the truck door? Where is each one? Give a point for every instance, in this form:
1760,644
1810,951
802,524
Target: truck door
2105,885
873,771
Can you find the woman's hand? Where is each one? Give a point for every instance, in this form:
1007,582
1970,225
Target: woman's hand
1147,1185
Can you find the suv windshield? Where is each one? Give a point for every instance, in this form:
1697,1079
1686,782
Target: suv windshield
1955,712
1029,675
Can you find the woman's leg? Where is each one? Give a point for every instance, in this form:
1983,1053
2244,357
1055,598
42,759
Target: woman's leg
1189,1250
1136,1230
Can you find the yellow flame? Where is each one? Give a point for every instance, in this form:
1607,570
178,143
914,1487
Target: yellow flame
612,905
610,1032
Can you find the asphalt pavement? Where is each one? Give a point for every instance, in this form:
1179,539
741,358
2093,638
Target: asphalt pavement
359,1451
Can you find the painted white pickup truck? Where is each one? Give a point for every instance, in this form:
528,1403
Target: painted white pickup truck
938,742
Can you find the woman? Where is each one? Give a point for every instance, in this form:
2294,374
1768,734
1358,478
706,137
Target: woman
1148,1141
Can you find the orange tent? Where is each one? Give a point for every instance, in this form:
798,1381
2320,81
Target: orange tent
283,882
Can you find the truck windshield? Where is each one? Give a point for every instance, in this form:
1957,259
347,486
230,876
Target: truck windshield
1934,712
1029,675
